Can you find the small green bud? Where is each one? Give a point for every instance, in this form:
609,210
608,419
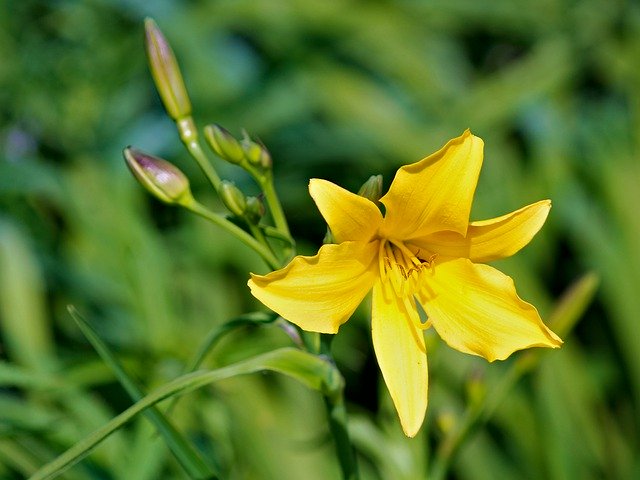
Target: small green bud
476,387
159,177
446,421
223,143
256,152
328,237
372,188
255,210
166,73
233,198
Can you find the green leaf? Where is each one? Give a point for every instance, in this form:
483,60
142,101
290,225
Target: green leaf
313,371
255,318
184,452
23,318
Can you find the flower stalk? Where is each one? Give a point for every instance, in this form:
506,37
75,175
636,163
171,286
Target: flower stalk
253,157
189,137
263,250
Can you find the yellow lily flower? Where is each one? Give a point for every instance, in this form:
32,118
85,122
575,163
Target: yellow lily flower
422,254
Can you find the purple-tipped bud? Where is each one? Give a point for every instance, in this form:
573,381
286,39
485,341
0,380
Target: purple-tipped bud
372,188
166,73
163,180
223,143
232,198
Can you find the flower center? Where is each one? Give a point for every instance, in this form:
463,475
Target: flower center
403,275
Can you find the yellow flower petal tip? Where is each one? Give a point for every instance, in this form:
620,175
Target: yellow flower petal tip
319,293
423,255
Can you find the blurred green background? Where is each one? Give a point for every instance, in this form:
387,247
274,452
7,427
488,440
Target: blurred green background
336,89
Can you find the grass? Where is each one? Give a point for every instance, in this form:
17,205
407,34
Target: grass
338,90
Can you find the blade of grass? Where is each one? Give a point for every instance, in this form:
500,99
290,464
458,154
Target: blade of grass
312,371
184,452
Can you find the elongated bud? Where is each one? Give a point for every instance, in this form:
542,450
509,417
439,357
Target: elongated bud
233,198
223,143
163,180
256,152
255,210
166,73
372,188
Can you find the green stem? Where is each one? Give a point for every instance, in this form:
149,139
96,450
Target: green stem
189,137
243,236
274,205
258,234
273,232
337,416
214,337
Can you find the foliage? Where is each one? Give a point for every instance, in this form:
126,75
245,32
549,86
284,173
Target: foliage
339,90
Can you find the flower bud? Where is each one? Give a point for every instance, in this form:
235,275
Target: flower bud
166,73
232,198
159,177
223,143
475,387
328,237
255,210
446,421
256,152
372,188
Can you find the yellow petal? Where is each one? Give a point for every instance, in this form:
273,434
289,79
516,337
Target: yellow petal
320,293
489,240
475,309
400,350
349,216
435,193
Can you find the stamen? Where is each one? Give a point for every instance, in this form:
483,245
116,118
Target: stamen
383,261
403,271
429,262
407,253
402,267
412,313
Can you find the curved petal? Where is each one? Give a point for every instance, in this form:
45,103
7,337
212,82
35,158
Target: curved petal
435,193
349,216
475,309
320,293
489,240
400,350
